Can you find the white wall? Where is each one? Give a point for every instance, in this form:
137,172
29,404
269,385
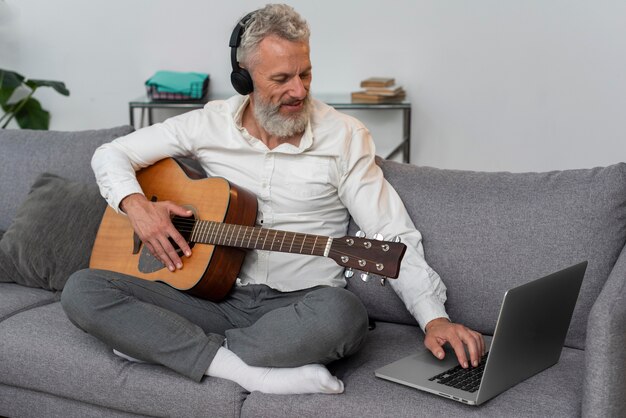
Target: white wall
527,85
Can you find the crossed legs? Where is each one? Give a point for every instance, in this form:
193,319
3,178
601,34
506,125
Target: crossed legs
266,329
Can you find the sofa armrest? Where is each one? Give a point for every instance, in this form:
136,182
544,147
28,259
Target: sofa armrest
604,390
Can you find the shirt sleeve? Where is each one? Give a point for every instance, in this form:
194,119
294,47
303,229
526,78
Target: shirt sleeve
377,208
114,164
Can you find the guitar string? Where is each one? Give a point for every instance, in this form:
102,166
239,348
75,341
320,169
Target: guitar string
310,249
222,236
252,229
255,232
191,223
255,229
306,248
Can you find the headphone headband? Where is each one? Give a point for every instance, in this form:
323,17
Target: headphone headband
235,37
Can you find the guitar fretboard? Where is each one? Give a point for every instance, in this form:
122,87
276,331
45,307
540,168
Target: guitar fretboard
251,237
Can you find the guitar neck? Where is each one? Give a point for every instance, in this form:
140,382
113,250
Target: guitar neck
256,238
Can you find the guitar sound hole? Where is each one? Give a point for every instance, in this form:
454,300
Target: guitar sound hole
184,225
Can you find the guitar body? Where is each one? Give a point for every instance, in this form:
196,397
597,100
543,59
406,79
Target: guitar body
211,271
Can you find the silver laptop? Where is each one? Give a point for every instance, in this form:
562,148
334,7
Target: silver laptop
528,338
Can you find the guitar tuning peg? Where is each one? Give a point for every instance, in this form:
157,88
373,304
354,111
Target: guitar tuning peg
360,234
348,273
383,281
378,236
397,239
365,277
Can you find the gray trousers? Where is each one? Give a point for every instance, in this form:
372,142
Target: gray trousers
153,322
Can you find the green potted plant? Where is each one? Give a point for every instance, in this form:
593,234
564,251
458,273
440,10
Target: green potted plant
27,111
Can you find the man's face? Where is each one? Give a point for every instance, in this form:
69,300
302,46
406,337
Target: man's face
282,78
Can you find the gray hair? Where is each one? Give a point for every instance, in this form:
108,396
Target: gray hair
273,19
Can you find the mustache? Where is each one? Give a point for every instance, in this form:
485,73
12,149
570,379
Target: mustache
274,109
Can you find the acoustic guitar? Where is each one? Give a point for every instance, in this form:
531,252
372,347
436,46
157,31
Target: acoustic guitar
223,222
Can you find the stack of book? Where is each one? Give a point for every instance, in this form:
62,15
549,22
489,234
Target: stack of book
379,90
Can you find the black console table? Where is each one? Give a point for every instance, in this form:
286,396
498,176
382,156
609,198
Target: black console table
145,105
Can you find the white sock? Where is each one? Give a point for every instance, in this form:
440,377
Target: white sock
127,357
312,378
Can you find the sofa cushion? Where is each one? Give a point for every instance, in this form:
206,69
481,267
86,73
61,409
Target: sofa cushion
15,298
24,154
40,350
20,402
52,233
555,392
487,232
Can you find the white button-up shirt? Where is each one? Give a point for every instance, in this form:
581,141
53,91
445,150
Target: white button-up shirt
311,188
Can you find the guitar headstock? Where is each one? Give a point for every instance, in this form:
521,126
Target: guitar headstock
368,255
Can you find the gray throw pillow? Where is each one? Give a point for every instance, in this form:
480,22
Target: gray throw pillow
24,154
52,233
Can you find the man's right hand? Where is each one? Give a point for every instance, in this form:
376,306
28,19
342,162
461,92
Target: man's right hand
153,224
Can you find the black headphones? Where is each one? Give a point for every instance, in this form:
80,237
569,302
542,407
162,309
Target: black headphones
240,77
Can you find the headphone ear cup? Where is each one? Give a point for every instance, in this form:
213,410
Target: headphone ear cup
241,81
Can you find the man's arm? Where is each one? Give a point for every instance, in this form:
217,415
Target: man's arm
377,208
114,165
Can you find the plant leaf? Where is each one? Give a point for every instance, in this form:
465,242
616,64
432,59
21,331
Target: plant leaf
9,81
32,116
59,86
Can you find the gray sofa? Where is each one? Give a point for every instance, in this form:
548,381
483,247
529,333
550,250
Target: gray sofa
483,232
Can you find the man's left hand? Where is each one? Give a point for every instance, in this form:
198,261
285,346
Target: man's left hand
440,331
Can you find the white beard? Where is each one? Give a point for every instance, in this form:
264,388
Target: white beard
269,117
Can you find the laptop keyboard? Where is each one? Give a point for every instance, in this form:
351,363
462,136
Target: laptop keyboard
460,378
